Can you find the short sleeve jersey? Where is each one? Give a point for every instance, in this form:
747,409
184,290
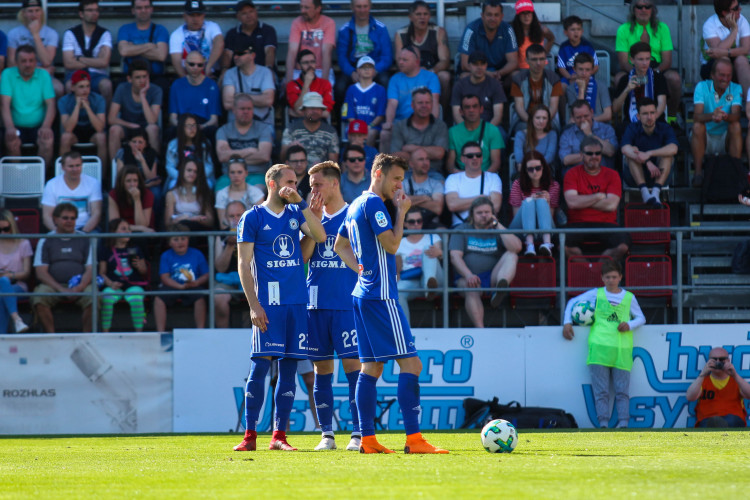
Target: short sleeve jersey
567,54
183,41
366,219
155,33
71,44
183,268
475,39
713,28
606,181
329,281
132,111
364,104
400,87
660,40
706,94
313,36
263,36
67,103
277,257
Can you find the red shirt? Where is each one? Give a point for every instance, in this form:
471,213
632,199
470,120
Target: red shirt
319,85
606,181
126,210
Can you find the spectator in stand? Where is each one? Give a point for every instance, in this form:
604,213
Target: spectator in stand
196,34
250,31
62,265
308,81
297,159
123,269
27,99
534,86
495,38
3,50
34,32
649,147
583,126
316,33
248,78
592,194
237,190
139,154
15,270
642,81
357,133
534,198
432,42
225,263
189,142
244,137
189,203
128,111
195,93
400,89
644,26
181,268
365,101
425,192
88,46
727,34
82,116
538,137
462,188
474,128
583,85
483,260
73,186
489,90
529,31
318,137
417,260
355,178
131,201
362,36
716,117
144,39
570,48
720,392
421,129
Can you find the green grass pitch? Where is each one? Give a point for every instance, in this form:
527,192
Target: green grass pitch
579,464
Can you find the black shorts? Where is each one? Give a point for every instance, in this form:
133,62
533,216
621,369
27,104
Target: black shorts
28,135
187,299
608,240
84,133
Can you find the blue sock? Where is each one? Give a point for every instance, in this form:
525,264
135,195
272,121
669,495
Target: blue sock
285,389
323,394
408,400
255,391
352,377
367,395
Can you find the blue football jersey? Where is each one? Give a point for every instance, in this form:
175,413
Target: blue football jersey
277,263
366,218
329,281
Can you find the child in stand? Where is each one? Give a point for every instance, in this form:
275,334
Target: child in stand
574,45
616,315
583,85
358,133
181,268
366,100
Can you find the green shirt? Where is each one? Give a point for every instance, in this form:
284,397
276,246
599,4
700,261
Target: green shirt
492,139
27,103
659,41
607,346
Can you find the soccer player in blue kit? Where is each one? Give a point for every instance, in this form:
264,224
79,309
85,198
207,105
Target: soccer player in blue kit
330,317
273,278
367,242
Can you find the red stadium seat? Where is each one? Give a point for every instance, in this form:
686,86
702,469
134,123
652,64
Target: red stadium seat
584,271
649,270
534,272
642,215
28,222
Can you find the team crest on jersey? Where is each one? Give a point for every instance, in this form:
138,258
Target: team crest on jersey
293,224
381,219
326,249
283,246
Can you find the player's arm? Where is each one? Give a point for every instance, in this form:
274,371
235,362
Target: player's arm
391,239
307,245
247,279
312,226
344,250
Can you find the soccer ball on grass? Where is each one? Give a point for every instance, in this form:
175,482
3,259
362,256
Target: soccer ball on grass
583,314
499,436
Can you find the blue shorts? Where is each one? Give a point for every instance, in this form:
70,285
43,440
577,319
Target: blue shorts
286,336
485,277
382,331
331,330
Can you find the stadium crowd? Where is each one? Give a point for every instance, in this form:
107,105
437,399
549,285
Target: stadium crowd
191,130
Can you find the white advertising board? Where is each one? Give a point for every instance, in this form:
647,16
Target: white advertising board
85,384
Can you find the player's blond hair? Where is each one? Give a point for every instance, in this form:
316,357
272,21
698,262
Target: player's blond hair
385,162
328,169
274,173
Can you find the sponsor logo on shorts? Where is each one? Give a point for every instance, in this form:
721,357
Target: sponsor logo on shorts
381,219
273,344
288,394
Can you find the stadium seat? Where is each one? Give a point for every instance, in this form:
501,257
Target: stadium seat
603,76
21,177
584,271
642,215
534,272
650,270
28,222
92,166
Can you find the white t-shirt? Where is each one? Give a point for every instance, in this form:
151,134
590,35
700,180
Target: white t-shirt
89,190
713,28
469,188
196,40
70,43
411,253
251,197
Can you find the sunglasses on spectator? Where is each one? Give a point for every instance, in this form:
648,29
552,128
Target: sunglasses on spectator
592,153
472,155
196,65
735,9
643,7
413,221
538,168
356,158
5,229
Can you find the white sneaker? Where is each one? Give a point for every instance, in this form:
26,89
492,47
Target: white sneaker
327,443
546,249
21,327
530,249
354,443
